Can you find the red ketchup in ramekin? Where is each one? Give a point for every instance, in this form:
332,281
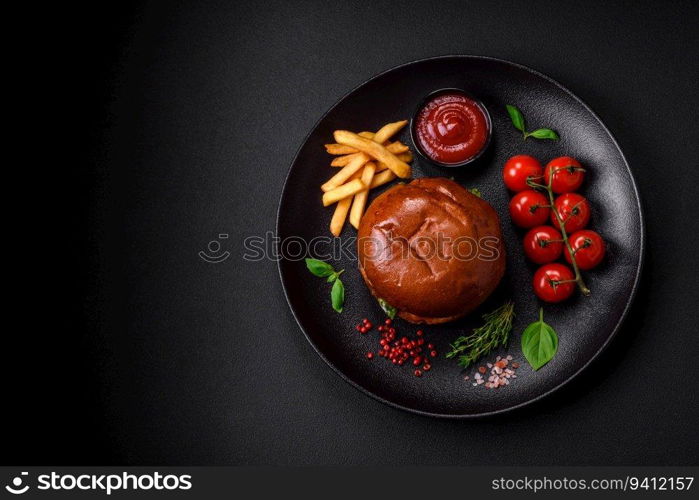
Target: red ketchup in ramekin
451,128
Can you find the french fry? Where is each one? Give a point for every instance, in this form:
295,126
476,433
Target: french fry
339,178
339,149
382,178
380,170
397,147
388,131
360,198
339,193
406,157
368,135
341,161
340,215
375,150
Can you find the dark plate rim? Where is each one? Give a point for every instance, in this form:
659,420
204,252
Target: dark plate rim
634,289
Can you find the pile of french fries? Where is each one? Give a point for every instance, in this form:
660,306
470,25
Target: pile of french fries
367,160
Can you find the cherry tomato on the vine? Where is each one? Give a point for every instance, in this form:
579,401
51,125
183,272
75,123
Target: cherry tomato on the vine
548,284
588,248
529,208
574,211
543,244
567,173
518,169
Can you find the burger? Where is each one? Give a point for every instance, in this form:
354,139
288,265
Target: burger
431,249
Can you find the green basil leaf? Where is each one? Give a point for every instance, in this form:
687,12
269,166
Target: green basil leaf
543,133
332,277
476,192
516,117
387,308
319,268
539,342
338,295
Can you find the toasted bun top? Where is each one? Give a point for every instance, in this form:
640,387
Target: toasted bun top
431,249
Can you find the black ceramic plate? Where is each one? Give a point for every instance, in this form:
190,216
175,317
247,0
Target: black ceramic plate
585,325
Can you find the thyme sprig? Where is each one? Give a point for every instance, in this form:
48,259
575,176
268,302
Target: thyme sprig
495,332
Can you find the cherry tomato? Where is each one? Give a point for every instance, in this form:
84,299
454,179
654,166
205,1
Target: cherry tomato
529,208
588,248
574,211
567,173
543,244
547,282
518,169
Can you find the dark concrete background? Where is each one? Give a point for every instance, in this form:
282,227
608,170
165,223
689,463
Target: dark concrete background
188,116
